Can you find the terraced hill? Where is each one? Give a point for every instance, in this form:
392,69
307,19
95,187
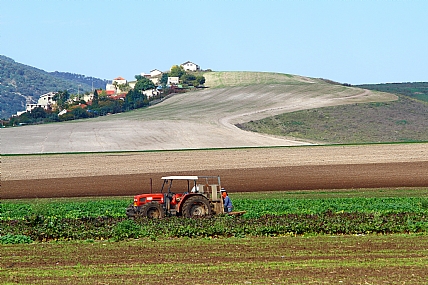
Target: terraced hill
199,119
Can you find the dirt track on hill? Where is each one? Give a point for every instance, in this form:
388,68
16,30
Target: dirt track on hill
254,169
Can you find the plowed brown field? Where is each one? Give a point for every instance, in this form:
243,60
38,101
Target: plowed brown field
253,169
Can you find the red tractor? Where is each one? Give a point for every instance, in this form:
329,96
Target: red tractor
199,197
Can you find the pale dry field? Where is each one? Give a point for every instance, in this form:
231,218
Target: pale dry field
200,119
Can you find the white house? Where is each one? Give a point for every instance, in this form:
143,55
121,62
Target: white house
132,84
190,66
155,80
45,101
88,97
119,80
116,82
155,72
154,75
173,80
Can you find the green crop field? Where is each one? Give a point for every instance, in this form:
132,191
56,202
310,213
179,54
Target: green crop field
350,236
267,214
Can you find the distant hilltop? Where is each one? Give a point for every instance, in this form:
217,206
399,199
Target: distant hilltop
21,84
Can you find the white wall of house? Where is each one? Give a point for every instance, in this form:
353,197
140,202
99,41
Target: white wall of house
88,97
155,80
110,87
173,80
119,80
190,66
155,72
45,101
151,92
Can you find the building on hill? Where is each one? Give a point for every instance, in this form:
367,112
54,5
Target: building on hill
155,72
190,66
154,76
174,80
45,101
114,85
88,97
119,80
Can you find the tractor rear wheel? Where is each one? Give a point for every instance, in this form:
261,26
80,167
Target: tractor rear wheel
196,206
152,210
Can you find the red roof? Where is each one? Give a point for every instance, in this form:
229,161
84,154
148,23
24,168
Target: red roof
118,96
119,78
108,92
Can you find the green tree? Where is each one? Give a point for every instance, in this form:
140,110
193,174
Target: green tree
143,84
124,87
95,99
61,98
38,113
199,80
187,78
79,113
164,78
177,71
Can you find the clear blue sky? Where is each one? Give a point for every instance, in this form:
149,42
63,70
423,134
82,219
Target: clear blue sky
359,41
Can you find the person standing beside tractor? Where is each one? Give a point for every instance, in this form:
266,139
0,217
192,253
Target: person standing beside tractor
227,203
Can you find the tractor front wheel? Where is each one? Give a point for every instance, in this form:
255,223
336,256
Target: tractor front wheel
196,206
152,210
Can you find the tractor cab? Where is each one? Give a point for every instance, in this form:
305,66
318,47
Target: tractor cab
187,196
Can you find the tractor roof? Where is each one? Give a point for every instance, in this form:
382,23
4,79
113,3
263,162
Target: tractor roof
178,177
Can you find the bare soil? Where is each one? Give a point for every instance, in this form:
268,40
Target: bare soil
241,170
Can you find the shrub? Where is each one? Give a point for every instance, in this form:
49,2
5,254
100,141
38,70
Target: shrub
15,239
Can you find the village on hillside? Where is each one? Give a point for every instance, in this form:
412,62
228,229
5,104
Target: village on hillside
119,88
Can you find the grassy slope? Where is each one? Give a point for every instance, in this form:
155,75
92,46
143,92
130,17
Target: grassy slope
417,90
223,79
399,121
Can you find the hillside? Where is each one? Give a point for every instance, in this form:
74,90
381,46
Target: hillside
417,90
20,83
198,119
403,120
